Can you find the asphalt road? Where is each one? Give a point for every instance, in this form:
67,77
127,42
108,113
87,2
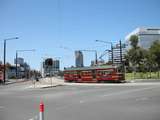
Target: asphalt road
116,102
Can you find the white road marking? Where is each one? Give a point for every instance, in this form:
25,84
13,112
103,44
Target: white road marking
1,107
127,92
34,118
142,99
81,101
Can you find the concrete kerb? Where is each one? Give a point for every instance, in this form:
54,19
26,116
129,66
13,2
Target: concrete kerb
16,81
51,86
142,80
46,83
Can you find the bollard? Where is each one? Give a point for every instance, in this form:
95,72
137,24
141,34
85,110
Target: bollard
41,111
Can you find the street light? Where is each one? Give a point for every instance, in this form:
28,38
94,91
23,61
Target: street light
107,43
96,61
17,58
4,57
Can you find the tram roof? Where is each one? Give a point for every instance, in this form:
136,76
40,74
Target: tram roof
90,68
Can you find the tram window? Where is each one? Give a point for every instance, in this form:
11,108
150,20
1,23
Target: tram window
94,73
86,73
105,72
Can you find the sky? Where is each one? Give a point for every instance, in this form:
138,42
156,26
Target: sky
56,28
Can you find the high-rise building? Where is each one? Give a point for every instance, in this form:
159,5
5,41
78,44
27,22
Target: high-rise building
146,36
79,58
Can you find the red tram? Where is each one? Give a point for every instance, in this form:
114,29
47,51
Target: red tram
94,74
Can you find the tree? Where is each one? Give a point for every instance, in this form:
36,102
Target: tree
150,61
155,52
135,54
134,41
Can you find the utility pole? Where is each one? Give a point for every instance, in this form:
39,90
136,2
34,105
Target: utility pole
4,62
16,65
121,59
112,52
120,47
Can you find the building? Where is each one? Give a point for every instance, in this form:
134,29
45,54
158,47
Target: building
50,67
118,54
19,61
146,36
79,59
56,65
22,69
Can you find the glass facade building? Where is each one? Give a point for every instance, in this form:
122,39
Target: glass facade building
146,36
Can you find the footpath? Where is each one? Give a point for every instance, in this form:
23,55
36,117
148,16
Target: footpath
47,82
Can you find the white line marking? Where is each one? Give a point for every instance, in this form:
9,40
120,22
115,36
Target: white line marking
142,99
1,107
34,118
129,91
81,101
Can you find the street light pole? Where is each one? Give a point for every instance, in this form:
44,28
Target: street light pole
4,58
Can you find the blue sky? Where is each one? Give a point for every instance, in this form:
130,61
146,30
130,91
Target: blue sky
55,28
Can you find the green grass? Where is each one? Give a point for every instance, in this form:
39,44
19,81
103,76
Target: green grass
142,75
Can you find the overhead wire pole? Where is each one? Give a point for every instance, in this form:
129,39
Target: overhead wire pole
121,56
111,47
120,45
31,50
4,57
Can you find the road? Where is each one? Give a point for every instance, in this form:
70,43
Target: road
112,102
